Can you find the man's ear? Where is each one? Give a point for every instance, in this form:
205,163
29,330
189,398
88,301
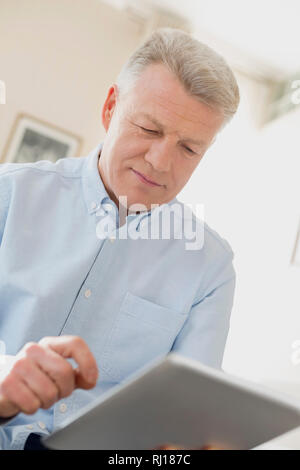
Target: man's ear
109,106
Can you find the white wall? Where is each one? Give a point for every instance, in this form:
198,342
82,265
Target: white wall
248,182
58,59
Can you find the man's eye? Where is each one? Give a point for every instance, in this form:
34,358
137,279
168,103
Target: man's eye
189,150
151,131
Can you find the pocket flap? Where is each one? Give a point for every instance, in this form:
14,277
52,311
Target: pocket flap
151,312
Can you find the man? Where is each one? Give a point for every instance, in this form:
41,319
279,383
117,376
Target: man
77,281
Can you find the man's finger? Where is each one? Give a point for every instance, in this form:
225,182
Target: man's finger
38,381
58,369
8,409
21,398
76,348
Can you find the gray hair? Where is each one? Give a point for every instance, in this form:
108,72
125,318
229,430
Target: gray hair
202,71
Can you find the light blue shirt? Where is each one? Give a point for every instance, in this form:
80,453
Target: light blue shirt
131,299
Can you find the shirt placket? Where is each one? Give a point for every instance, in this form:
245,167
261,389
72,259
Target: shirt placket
84,303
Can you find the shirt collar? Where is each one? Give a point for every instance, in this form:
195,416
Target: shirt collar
95,194
93,188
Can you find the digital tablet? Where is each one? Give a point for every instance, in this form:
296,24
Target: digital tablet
179,401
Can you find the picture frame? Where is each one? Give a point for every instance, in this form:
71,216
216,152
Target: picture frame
32,139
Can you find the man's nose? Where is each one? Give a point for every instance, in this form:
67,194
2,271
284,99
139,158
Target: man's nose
160,155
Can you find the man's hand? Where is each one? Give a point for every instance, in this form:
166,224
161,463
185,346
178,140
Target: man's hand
39,375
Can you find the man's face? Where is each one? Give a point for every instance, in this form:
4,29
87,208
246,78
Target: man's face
156,130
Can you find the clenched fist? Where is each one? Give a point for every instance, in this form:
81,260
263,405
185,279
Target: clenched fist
39,375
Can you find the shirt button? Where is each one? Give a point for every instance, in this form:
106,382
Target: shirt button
107,207
29,426
63,407
87,293
42,425
112,240
93,205
100,212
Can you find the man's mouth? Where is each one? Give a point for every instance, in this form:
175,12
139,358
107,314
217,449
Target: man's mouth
144,179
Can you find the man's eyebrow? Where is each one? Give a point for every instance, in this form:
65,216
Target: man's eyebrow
152,119
161,127
195,142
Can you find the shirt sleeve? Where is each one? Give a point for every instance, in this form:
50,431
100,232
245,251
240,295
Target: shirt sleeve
204,334
6,420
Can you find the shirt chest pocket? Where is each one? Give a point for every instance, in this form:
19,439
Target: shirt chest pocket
142,331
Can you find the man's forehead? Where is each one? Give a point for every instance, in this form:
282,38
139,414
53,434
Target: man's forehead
158,84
